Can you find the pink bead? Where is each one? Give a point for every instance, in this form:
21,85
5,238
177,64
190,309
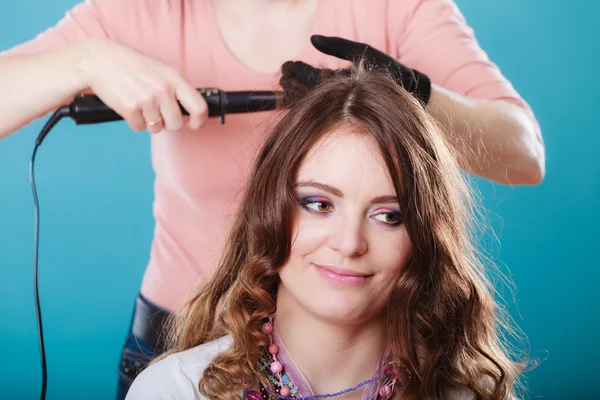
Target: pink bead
253,395
285,391
276,367
392,372
385,392
273,349
267,328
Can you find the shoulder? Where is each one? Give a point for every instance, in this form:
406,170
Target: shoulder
177,376
459,394
467,394
194,361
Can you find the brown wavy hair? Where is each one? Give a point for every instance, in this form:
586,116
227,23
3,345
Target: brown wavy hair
442,320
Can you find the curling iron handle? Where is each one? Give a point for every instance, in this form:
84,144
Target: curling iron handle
89,109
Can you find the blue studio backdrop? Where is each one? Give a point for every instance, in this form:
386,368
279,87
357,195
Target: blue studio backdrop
95,189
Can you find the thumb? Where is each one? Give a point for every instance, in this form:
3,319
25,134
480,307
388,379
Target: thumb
302,72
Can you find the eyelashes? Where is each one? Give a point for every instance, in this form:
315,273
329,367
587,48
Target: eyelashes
316,205
391,218
322,207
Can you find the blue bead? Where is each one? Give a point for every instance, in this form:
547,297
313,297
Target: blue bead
285,379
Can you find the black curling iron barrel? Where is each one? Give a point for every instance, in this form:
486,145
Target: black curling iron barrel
89,109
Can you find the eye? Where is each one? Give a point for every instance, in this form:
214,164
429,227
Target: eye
316,206
392,218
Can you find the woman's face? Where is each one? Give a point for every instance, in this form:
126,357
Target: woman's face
349,243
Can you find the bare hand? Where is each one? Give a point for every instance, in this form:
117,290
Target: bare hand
140,88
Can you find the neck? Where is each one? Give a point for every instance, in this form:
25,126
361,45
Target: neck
277,4
331,357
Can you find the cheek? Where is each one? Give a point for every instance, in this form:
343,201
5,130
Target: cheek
391,253
309,235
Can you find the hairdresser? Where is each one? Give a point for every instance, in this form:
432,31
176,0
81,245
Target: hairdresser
141,57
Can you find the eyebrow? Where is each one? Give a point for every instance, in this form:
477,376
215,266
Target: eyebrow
337,192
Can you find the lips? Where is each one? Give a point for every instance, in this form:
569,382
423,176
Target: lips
342,276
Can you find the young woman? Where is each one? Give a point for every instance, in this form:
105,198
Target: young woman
350,270
141,56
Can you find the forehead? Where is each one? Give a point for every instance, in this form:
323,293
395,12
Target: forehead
349,158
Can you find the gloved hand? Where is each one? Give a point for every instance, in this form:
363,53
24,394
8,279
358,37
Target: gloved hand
415,82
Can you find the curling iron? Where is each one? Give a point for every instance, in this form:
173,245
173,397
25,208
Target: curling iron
89,109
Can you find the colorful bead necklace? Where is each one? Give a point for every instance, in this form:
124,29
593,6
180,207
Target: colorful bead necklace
285,389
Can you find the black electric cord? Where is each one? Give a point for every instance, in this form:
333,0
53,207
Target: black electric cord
57,116
89,109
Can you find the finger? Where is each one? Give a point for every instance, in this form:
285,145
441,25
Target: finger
339,47
305,73
171,113
349,50
153,118
194,104
163,95
136,121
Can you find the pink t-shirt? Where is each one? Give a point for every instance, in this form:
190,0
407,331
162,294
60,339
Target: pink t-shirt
200,174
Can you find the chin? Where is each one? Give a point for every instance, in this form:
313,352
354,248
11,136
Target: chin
340,310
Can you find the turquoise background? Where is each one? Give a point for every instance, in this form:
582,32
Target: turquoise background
95,189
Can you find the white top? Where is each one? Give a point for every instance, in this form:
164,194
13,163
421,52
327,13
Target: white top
176,377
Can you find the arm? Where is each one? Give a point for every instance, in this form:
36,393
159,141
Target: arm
82,53
31,85
495,132
495,139
44,73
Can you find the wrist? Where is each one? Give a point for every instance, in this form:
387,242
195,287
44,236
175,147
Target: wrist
83,60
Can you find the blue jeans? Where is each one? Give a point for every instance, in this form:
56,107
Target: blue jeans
137,352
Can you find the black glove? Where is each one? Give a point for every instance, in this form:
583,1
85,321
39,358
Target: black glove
415,82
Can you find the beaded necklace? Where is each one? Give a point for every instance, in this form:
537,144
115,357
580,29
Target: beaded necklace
285,389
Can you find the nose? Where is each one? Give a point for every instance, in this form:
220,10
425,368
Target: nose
348,237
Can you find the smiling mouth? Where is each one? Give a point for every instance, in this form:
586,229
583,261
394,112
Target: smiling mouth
342,276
